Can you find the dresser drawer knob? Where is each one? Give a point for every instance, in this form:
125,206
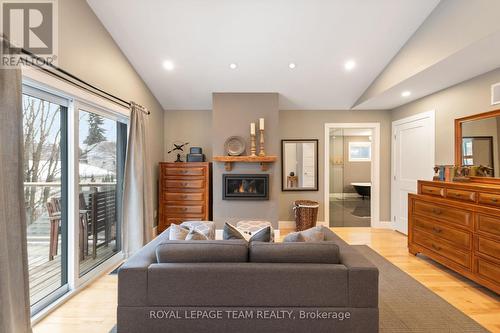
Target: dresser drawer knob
437,230
435,247
494,199
437,211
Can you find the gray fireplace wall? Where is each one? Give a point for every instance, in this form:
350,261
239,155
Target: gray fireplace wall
232,114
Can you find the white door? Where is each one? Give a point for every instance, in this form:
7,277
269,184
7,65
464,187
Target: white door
413,144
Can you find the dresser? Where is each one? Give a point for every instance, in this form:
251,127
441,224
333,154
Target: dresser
458,225
184,193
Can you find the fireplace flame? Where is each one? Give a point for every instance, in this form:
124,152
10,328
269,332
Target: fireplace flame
250,188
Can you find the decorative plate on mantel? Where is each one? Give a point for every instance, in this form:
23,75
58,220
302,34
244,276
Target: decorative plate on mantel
235,146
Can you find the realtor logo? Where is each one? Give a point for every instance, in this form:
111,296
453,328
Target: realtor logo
30,25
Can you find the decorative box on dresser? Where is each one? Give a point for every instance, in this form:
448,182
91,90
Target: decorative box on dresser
458,225
184,193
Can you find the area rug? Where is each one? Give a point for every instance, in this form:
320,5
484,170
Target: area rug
406,305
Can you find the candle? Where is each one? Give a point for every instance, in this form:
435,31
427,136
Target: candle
252,128
261,124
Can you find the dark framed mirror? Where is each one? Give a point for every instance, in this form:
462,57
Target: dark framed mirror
299,165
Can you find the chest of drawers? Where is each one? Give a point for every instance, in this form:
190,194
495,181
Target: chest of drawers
458,225
184,193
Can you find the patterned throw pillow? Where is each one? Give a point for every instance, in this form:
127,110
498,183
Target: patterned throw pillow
181,233
205,227
261,235
314,234
250,227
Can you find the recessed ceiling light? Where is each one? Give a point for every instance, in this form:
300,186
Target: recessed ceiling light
291,65
168,65
349,65
233,66
406,93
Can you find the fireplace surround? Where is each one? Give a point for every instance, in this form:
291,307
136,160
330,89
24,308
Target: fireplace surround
245,187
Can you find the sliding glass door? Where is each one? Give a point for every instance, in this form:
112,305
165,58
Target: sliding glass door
74,157
102,141
45,194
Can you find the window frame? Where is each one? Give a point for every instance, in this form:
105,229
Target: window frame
362,144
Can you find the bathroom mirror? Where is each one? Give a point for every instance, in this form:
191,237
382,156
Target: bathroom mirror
477,143
299,165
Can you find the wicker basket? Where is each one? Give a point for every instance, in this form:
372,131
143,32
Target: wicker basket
306,213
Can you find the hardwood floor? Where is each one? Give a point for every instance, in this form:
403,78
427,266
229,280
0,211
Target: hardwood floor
94,309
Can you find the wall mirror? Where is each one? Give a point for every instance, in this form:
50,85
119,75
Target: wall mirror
477,142
299,165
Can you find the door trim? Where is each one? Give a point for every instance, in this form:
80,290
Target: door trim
375,170
431,114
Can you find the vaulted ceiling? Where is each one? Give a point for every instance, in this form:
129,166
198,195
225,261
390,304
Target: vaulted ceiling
184,49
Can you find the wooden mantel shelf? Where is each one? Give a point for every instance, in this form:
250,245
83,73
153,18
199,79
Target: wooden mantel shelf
229,160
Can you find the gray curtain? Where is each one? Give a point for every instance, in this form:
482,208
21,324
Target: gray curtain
138,189
14,285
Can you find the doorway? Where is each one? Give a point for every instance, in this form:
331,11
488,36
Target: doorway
352,164
413,145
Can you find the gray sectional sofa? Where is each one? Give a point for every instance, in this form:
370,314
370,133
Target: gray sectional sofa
229,286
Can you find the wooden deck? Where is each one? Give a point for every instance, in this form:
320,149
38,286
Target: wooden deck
45,275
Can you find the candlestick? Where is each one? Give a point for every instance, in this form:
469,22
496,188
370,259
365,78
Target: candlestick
262,152
252,128
261,124
253,146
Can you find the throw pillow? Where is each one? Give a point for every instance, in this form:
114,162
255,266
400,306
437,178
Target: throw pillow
177,232
261,235
205,227
180,233
314,234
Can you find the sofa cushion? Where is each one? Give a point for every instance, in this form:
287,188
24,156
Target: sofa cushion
314,234
202,251
311,252
248,284
252,226
261,235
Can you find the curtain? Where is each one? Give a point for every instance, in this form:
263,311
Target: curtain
137,192
14,284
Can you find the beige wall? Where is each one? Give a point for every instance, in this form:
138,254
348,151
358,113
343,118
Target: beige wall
87,50
194,127
311,125
467,98
232,114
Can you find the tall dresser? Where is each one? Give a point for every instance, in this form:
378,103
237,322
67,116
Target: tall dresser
458,225
184,193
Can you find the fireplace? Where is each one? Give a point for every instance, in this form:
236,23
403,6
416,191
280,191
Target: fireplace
245,187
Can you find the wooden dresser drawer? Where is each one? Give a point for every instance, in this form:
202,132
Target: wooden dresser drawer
186,196
468,196
440,212
178,209
488,270
184,171
488,247
456,236
179,220
432,190
435,245
186,184
488,224
489,199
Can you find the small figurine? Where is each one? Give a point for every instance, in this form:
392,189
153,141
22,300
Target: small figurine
178,147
